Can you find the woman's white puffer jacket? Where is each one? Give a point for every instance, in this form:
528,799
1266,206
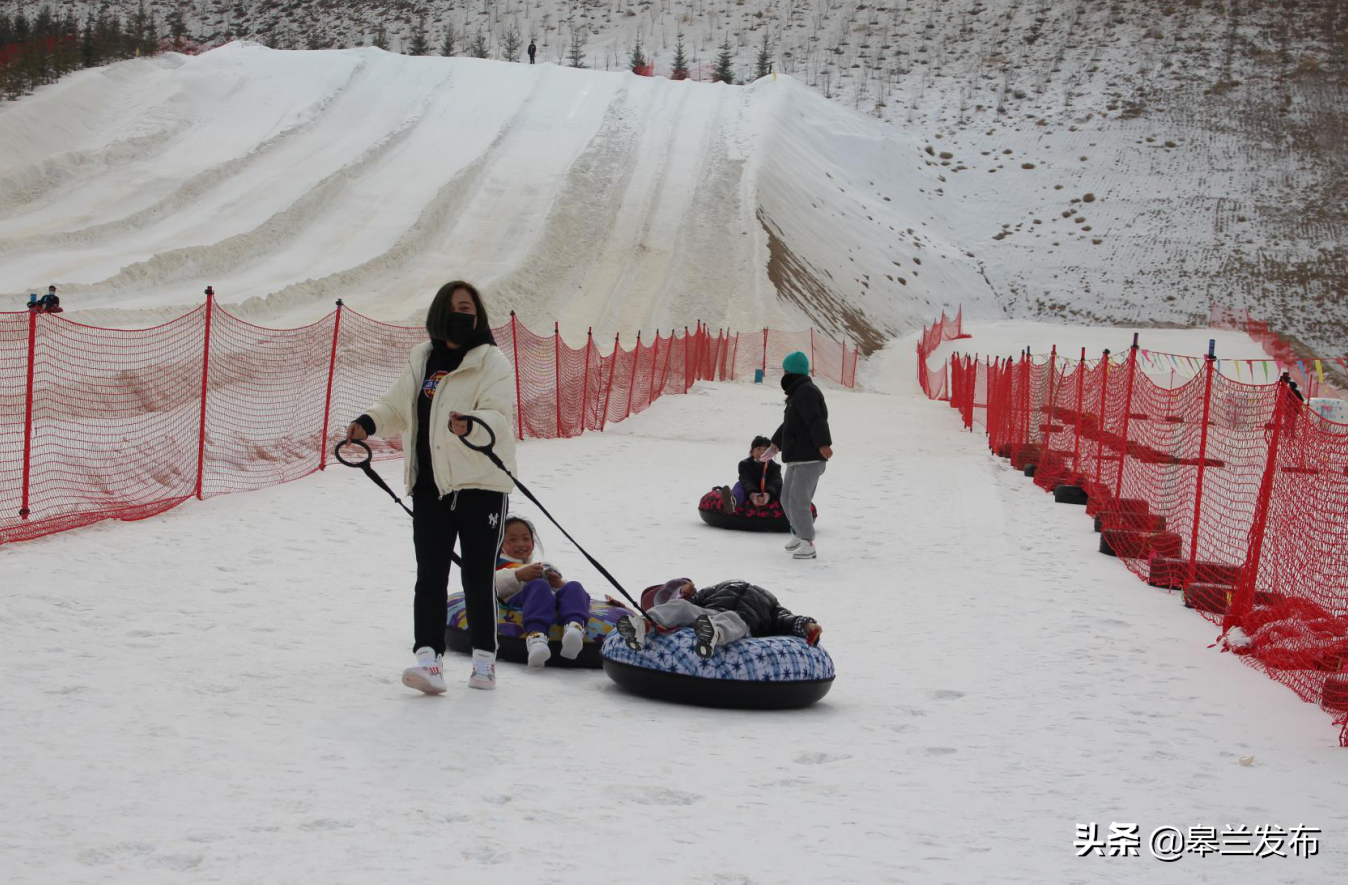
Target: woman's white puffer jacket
482,386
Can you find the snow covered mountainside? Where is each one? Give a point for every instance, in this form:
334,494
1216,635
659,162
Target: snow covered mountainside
1124,161
289,179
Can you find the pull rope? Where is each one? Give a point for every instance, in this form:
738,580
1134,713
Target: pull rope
488,450
364,465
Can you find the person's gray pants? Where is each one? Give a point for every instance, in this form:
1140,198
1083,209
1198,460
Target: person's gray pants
682,613
798,487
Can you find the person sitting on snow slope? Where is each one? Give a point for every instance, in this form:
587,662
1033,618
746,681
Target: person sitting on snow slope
760,482
719,615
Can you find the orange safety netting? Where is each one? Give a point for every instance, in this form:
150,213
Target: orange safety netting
1309,373
936,385
98,423
1235,494
765,350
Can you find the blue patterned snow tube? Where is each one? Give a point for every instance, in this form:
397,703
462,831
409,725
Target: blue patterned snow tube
755,673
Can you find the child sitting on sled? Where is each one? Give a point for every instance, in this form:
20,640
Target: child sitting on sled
760,483
719,615
539,589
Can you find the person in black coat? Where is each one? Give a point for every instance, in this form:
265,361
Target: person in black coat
719,614
806,445
760,482
533,49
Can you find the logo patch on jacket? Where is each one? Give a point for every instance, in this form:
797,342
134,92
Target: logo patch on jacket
428,386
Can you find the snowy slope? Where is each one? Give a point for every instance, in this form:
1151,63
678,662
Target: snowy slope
999,683
289,179
1210,131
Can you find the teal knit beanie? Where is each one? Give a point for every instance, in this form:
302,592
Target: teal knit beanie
796,363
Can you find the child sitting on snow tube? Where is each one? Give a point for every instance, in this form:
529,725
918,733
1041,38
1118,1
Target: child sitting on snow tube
759,484
539,589
719,615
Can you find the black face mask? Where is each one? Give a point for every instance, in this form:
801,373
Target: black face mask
461,327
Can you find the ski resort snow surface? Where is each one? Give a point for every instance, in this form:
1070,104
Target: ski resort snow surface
212,695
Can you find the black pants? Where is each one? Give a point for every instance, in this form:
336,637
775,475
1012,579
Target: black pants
477,518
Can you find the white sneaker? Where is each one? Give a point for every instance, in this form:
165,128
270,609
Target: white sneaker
804,550
793,543
484,671
426,675
573,640
537,646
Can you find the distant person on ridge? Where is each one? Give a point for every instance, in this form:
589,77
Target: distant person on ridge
806,447
533,49
456,491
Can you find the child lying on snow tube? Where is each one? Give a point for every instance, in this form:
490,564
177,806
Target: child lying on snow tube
541,612
719,615
745,648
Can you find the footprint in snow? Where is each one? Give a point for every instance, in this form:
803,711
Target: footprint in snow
662,796
940,751
945,694
820,758
487,855
179,862
326,823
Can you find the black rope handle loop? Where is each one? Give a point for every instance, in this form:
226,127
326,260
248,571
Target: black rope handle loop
337,452
470,420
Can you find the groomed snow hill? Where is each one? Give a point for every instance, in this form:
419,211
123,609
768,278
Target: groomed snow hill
1210,133
212,696
289,179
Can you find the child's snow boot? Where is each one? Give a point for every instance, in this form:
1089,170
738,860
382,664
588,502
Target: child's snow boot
632,628
573,640
537,646
426,675
484,670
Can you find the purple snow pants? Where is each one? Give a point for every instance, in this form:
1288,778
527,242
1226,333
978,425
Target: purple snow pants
542,608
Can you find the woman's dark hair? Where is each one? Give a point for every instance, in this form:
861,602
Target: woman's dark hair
437,317
760,441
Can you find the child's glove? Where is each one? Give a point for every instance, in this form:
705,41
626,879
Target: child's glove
812,633
806,629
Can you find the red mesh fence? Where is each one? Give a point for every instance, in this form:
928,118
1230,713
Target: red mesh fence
1308,372
764,351
1235,494
936,384
98,423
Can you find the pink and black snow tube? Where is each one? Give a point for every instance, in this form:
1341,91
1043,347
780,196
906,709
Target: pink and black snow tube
748,517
